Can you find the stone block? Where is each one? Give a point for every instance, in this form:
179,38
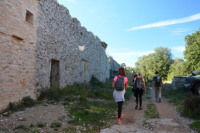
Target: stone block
13,75
13,67
10,80
12,90
17,93
25,92
1,81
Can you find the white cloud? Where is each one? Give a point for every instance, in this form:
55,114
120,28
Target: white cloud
178,48
168,22
178,31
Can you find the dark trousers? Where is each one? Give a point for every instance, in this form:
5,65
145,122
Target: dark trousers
138,94
120,108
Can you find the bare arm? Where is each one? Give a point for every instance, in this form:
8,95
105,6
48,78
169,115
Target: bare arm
162,85
125,85
113,84
144,87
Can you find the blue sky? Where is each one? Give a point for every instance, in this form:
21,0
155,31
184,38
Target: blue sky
133,28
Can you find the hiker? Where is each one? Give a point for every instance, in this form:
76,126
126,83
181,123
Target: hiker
120,84
133,90
140,87
157,83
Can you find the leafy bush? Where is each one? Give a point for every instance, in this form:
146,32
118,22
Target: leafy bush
195,126
28,101
95,82
21,127
18,106
40,124
55,124
191,107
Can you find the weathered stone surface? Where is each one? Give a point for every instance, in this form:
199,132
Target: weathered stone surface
15,38
27,51
178,82
1,81
79,52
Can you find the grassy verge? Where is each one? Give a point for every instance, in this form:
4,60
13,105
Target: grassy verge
188,104
195,126
95,115
18,106
90,107
176,97
151,112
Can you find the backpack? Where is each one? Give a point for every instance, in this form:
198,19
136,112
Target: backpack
158,80
138,83
119,85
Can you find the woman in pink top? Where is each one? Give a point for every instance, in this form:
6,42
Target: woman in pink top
119,95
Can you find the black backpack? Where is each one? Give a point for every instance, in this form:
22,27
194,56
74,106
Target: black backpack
158,80
119,85
138,83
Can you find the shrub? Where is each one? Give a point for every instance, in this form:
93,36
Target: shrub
31,125
95,82
28,101
55,124
12,107
40,124
191,107
195,126
21,127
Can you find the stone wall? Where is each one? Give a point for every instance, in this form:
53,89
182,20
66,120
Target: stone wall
178,82
114,66
42,45
18,25
61,37
130,76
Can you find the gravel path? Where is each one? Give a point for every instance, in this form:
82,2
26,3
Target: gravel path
133,121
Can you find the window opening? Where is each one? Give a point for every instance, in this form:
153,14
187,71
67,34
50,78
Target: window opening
29,17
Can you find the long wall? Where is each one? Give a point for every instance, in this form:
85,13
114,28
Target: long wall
17,49
42,45
60,37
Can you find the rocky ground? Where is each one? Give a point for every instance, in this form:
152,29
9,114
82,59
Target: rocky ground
134,120
31,117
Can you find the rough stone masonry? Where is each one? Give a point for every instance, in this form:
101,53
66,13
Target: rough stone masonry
42,45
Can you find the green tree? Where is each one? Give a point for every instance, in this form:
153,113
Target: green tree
176,69
192,52
160,61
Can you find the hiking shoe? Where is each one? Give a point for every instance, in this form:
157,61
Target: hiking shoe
122,115
140,108
119,122
159,100
136,106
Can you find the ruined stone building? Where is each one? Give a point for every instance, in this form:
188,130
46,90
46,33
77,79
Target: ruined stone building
42,45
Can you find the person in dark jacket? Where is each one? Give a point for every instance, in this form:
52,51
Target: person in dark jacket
133,90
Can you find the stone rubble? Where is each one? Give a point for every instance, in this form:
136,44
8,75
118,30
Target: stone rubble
178,82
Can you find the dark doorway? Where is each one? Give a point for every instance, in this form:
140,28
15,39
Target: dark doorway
55,76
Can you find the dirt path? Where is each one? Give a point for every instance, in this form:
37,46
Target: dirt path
133,121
